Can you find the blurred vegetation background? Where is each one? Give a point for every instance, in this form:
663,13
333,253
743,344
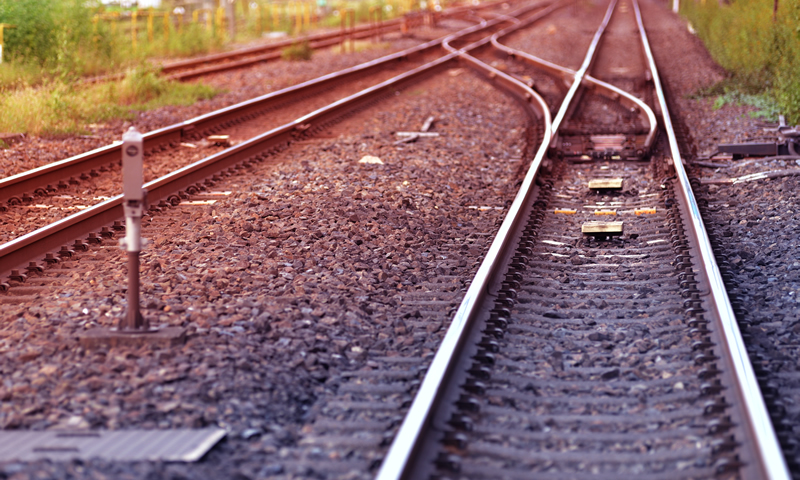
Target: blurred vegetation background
55,43
759,45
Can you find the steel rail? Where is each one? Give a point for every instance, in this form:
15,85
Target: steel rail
18,188
612,91
771,463
579,75
265,57
319,40
314,40
405,445
14,189
30,247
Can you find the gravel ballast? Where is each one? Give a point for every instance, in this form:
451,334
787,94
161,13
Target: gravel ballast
295,285
293,280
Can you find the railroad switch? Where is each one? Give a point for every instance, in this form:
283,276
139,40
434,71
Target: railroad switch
585,148
790,145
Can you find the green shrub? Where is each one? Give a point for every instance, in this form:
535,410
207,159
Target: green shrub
297,51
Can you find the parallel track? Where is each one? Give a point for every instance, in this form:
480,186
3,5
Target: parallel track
62,237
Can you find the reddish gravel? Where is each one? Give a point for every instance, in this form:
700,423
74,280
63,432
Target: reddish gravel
294,280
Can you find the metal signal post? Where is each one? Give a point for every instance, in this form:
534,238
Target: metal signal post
135,198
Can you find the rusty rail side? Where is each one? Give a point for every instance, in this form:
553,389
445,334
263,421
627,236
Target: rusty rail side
408,444
31,247
14,189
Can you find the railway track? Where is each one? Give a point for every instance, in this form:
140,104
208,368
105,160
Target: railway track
624,328
593,356
16,256
193,68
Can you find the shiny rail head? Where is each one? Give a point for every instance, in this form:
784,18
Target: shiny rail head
770,463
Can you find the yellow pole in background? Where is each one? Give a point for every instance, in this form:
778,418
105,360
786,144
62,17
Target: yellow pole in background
95,20
260,8
307,14
150,25
134,16
219,20
166,26
3,26
298,16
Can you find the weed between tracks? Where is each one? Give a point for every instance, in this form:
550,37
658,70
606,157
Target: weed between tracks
61,108
761,52
297,51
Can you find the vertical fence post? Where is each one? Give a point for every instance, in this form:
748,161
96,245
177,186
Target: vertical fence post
134,16
2,27
95,20
150,36
352,31
260,20
298,17
343,17
218,20
314,15
166,27
230,13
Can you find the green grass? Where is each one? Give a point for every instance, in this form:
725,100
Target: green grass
59,108
767,107
56,42
762,54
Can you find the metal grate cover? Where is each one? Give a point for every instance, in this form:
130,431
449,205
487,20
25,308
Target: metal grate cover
177,445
